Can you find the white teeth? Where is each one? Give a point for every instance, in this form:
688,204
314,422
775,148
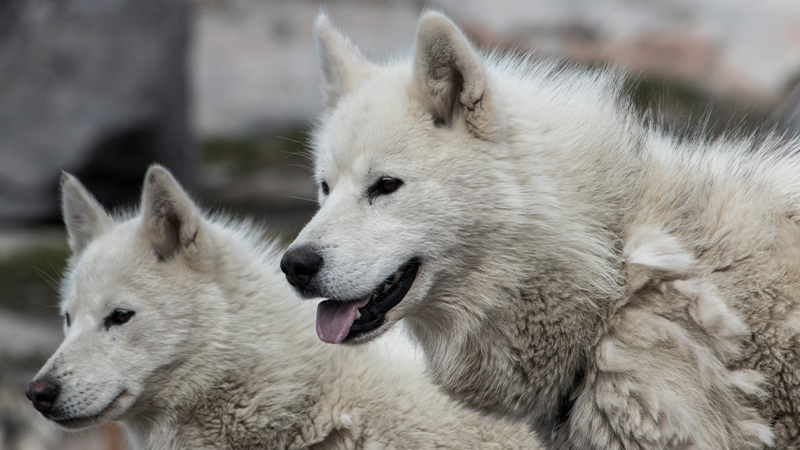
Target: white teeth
358,314
386,285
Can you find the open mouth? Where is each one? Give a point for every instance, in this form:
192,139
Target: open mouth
338,320
80,422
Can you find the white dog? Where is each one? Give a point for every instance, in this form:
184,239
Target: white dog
559,260
182,328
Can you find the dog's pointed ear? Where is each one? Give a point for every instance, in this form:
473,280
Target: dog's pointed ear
171,220
341,62
84,217
449,77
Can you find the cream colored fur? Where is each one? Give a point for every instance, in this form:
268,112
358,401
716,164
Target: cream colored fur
218,354
581,270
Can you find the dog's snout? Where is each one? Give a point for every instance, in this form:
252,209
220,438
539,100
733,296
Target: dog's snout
42,394
300,265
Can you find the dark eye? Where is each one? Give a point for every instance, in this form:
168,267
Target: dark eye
325,189
118,317
384,186
67,319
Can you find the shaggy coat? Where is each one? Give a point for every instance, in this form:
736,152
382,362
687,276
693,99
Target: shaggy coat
579,269
212,351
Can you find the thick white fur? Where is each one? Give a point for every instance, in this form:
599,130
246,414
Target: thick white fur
612,285
218,354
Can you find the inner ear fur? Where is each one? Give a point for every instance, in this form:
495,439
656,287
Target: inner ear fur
171,220
450,79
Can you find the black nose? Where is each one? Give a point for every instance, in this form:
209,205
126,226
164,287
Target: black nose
42,394
300,265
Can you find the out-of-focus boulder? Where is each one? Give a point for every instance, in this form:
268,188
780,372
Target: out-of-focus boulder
94,87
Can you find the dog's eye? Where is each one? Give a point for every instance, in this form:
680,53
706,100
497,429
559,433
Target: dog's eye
118,317
325,189
384,186
67,319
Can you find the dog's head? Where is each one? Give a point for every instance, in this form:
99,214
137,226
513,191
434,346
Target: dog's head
127,302
395,160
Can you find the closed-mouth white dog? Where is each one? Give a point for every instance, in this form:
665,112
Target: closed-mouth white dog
180,327
560,259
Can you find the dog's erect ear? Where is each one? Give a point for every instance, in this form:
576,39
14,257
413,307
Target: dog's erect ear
449,76
341,62
84,217
171,220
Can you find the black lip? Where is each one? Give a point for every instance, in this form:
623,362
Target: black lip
373,313
80,422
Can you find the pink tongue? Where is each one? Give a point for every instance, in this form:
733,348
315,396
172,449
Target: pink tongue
334,319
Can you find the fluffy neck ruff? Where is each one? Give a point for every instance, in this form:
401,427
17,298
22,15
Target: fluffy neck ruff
510,322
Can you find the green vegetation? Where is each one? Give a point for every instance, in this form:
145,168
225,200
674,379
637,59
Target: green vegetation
276,149
685,106
29,279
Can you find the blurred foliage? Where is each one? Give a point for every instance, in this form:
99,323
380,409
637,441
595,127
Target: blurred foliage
687,109
283,147
29,279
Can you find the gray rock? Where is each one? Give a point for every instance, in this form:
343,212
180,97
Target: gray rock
27,340
94,87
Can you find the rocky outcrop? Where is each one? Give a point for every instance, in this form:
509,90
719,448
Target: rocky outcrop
94,87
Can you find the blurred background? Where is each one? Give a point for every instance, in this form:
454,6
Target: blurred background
223,93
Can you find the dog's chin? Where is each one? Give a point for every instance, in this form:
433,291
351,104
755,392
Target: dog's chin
111,411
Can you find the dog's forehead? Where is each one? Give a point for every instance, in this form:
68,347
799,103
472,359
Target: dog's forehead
103,267
366,131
